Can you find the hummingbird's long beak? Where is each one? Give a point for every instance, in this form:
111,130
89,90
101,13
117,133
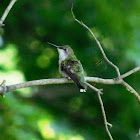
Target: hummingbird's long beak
53,45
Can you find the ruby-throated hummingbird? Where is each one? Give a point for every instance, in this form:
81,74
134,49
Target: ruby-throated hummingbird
70,67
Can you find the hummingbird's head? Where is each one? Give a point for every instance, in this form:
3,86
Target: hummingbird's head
64,51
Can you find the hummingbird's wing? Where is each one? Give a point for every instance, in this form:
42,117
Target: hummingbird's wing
74,70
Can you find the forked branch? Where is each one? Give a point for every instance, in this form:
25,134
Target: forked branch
98,43
119,78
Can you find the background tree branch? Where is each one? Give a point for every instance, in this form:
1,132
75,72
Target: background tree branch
9,7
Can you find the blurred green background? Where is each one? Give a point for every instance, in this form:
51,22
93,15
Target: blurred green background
60,112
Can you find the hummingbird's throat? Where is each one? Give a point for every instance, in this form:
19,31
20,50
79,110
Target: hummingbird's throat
62,55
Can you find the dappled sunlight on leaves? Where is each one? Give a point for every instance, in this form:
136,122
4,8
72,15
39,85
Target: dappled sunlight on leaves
44,60
46,131
12,77
8,57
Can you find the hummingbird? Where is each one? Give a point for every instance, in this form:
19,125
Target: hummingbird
70,67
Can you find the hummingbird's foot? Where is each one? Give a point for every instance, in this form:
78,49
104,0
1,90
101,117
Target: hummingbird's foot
82,90
68,78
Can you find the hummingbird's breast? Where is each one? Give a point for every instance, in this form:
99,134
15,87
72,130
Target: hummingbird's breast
62,55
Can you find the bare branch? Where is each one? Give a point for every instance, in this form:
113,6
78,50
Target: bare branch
118,80
104,116
103,81
130,89
54,81
103,110
62,81
47,82
6,12
98,43
94,88
130,72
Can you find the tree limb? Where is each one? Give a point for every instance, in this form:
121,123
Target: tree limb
49,82
63,81
6,12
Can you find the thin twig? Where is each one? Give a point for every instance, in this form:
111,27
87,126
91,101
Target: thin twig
102,107
130,89
6,12
94,88
104,116
98,43
130,72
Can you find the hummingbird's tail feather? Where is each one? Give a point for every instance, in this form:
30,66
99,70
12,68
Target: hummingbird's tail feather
80,85
82,90
79,81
